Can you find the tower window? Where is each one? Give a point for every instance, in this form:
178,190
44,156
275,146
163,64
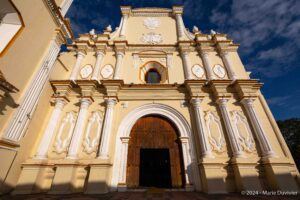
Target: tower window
152,76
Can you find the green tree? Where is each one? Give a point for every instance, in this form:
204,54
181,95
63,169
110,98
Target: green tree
290,130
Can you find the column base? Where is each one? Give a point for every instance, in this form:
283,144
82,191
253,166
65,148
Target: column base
69,178
279,174
36,177
98,178
246,174
213,176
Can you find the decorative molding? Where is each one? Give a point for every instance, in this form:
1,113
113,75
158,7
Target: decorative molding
61,144
216,138
152,38
151,23
107,71
244,135
86,71
90,144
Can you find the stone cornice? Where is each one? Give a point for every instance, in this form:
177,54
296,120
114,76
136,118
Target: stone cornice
63,23
247,88
195,87
220,88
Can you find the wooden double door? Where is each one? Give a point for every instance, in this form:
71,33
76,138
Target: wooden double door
154,155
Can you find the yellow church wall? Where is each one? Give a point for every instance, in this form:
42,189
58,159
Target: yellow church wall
29,142
22,60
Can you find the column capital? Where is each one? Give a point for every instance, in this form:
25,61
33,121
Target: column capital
223,52
125,140
100,52
81,53
125,10
85,102
177,10
120,53
222,101
196,101
59,102
110,102
184,139
248,101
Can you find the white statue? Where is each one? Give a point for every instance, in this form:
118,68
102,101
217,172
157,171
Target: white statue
108,28
195,29
92,32
212,32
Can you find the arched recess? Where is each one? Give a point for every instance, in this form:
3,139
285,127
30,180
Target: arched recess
192,177
153,65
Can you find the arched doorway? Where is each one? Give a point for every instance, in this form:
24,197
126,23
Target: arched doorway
154,154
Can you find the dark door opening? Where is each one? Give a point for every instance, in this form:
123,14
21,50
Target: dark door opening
155,168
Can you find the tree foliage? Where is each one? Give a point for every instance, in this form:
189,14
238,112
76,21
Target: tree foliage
290,130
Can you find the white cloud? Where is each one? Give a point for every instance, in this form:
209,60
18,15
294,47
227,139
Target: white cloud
257,25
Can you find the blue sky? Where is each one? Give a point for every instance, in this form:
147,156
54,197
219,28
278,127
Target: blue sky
268,31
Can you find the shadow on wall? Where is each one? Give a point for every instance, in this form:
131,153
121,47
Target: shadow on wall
7,100
212,182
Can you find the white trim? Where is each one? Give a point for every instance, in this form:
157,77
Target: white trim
189,154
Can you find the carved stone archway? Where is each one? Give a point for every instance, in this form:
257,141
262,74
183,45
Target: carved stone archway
192,178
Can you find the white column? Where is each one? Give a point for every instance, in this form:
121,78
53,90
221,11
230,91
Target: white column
20,121
124,153
76,68
260,133
65,7
106,130
207,65
186,161
186,65
119,62
49,132
180,25
235,146
202,134
79,129
123,28
228,64
99,58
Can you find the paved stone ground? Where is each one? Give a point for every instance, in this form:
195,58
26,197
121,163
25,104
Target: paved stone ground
149,195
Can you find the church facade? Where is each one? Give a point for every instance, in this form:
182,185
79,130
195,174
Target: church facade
151,104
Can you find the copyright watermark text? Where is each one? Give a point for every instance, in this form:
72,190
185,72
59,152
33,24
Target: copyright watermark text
269,193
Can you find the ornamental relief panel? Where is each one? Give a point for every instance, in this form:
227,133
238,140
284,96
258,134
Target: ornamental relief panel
215,132
93,132
107,71
198,71
243,131
152,38
151,23
64,134
86,71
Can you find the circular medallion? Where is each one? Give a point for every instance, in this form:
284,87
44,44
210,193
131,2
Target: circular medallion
198,71
219,71
86,71
107,71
